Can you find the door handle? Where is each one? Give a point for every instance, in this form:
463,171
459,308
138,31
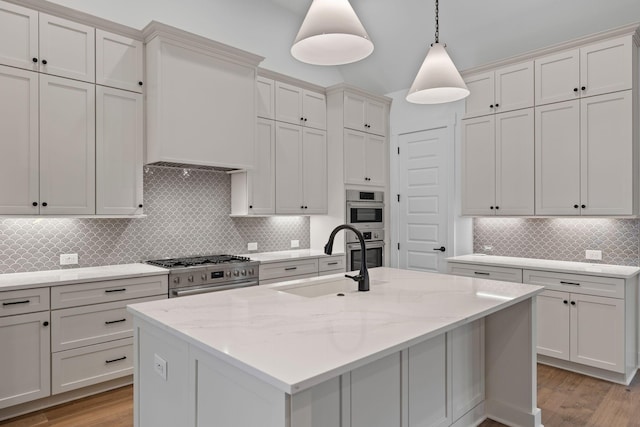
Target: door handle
441,249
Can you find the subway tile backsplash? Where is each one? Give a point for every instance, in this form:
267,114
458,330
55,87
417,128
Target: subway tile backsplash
187,214
564,239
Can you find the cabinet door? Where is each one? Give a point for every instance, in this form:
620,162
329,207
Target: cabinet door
262,178
119,121
314,171
557,134
67,49
606,66
481,99
19,141
354,112
606,154
25,354
67,146
597,332
118,61
553,324
514,163
19,40
514,87
467,382
289,104
375,155
314,110
557,77
265,97
376,117
354,151
478,166
289,169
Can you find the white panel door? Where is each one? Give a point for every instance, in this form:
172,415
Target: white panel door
354,151
557,77
19,39
354,112
377,381
478,166
514,163
480,100
67,146
606,66
25,354
289,103
314,171
557,134
265,98
423,213
119,61
262,178
67,48
514,87
314,110
376,117
553,324
19,193
289,169
375,160
607,154
119,149
597,332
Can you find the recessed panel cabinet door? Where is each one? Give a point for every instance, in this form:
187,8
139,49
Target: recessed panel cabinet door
557,77
553,324
375,393
514,87
119,121
289,104
67,146
375,157
376,117
314,171
354,112
606,66
478,166
354,162
265,98
289,169
19,40
18,141
481,99
262,178
119,61
314,109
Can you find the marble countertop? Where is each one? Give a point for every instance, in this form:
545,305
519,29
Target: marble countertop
294,342
36,279
267,257
607,270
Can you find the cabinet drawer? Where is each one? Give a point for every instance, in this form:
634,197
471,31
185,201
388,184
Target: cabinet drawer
107,291
94,364
24,301
288,268
285,279
576,283
92,324
504,274
331,263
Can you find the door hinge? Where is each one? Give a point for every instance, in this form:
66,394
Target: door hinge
398,246
398,197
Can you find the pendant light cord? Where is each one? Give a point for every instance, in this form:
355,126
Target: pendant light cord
437,24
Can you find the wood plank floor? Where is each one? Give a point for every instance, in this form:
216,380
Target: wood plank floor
566,400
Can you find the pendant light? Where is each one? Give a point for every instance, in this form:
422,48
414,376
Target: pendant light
438,80
331,34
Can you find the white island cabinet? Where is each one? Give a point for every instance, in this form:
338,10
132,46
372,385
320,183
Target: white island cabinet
418,349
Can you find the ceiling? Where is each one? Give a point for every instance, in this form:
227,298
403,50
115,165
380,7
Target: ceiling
475,31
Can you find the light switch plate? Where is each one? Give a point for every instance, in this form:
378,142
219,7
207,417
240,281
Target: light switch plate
295,243
68,259
253,246
594,255
160,366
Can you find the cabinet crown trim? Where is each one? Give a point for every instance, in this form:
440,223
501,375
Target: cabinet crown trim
343,87
283,78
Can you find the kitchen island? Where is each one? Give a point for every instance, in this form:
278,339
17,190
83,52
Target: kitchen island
419,349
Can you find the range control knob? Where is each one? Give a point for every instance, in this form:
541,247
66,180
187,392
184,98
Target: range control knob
243,272
203,277
190,278
251,272
176,280
236,273
228,274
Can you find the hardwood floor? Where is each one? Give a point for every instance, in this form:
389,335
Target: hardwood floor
566,400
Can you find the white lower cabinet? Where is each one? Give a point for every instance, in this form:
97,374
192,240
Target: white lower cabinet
274,272
553,324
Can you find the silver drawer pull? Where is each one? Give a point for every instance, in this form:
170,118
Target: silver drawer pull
115,360
16,302
290,268
332,263
481,273
569,283
111,322
108,291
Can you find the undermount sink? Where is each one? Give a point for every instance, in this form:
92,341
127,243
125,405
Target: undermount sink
317,289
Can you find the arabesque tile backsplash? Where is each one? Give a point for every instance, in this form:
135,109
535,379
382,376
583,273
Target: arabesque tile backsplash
187,214
564,239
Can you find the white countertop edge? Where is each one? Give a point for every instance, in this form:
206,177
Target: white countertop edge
320,378
571,267
290,255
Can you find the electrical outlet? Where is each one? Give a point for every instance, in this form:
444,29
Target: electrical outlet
295,243
595,255
160,366
253,246
487,248
68,259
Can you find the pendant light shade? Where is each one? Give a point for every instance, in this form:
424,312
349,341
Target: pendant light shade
331,34
438,80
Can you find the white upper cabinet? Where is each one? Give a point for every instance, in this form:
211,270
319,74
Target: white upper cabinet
67,48
365,114
119,127
19,40
265,98
591,70
299,106
262,178
505,89
365,158
314,171
19,170
119,61
478,166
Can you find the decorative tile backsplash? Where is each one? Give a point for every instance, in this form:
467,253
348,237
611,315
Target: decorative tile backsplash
564,239
187,214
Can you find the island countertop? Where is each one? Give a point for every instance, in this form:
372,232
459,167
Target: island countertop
294,342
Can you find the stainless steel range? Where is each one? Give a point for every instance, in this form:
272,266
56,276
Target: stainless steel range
211,273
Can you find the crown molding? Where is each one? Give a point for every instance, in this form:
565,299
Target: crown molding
344,87
262,72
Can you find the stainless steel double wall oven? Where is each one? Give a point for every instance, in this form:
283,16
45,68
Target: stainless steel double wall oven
365,211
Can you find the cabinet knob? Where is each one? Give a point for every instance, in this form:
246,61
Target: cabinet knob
575,89
576,206
44,204
305,119
140,205
45,323
250,206
491,207
497,105
497,207
140,83
34,204
583,206
565,302
44,62
301,207
34,59
573,303
306,207
491,106
301,118
583,88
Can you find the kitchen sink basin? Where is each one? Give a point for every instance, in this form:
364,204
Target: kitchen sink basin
317,289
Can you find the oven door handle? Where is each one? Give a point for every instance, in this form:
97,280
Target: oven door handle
213,288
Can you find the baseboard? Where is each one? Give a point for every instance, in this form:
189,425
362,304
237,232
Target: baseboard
474,417
578,368
511,416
